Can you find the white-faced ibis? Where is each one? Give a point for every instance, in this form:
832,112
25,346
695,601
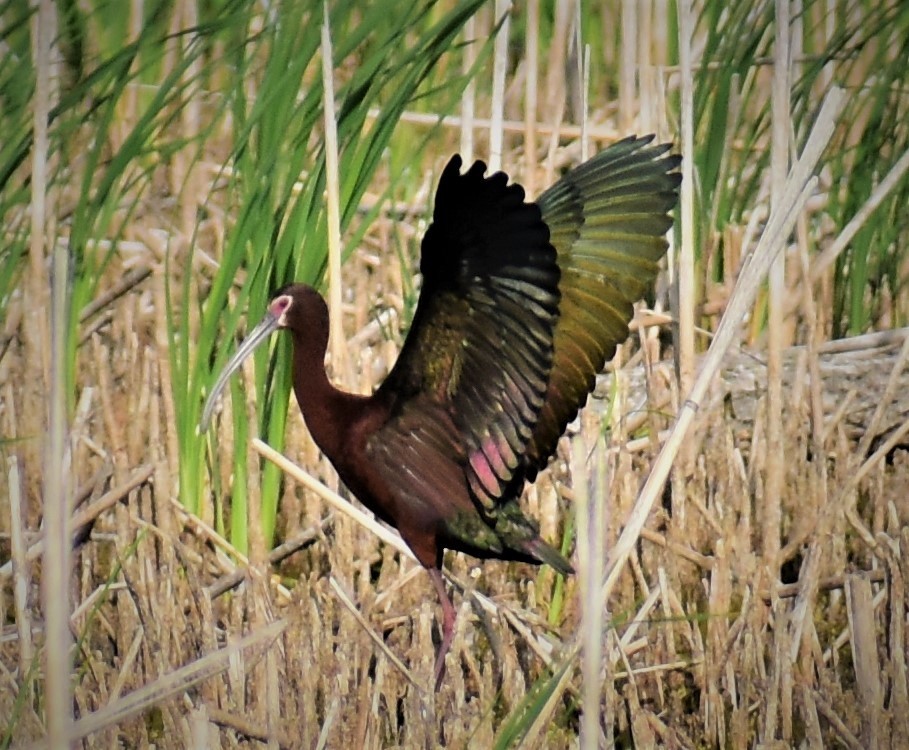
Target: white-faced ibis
521,305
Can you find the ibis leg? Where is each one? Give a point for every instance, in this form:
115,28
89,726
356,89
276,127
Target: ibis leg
448,621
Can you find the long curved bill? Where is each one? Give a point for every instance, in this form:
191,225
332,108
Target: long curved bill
260,333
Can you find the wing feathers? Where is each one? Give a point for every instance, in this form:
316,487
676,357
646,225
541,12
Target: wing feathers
481,339
520,307
607,221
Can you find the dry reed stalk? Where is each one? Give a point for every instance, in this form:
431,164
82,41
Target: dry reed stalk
231,558
43,29
589,515
275,738
275,557
585,96
683,292
499,68
134,24
468,98
340,357
187,177
808,710
830,714
831,655
157,370
897,671
779,168
129,281
628,69
863,640
816,396
646,85
555,82
56,498
719,603
531,81
684,269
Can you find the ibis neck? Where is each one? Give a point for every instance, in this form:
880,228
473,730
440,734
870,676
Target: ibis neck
326,410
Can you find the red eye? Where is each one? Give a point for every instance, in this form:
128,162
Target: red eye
280,305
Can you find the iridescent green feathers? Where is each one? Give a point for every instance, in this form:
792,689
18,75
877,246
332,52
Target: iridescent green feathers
521,305
607,220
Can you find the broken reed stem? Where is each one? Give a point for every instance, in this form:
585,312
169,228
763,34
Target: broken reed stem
798,187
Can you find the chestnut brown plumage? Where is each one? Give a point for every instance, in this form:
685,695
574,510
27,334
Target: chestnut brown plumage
521,305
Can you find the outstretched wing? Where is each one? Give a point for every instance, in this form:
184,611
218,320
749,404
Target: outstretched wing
607,220
481,337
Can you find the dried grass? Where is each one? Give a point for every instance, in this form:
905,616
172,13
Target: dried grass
702,649
329,641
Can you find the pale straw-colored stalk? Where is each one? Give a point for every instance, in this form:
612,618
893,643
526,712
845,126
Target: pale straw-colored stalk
532,76
499,69
58,692
339,358
591,537
779,167
468,97
685,302
628,65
